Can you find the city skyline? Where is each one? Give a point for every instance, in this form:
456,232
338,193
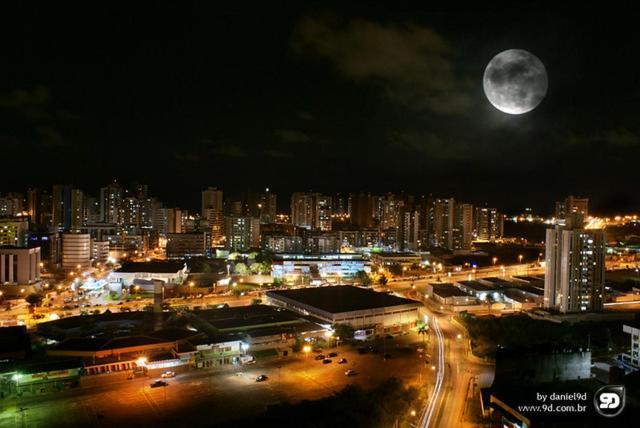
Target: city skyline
230,101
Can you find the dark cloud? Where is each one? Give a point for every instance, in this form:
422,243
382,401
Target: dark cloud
412,64
616,138
291,136
429,145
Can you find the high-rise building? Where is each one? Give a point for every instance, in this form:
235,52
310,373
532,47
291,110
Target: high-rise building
212,204
571,207
130,213
361,207
91,210
463,227
441,213
268,207
77,210
574,269
323,213
110,202
61,207
242,233
302,210
146,206
389,212
488,224
39,207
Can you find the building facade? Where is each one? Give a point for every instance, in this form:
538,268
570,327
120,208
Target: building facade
574,274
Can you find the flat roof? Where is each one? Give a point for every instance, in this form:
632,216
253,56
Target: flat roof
151,267
448,291
341,298
239,317
478,286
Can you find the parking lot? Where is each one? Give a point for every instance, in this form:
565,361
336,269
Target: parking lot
203,397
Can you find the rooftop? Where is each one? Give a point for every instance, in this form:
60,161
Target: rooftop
151,267
476,285
240,317
341,298
448,291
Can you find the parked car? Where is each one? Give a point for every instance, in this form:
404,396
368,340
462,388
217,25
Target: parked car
159,383
333,354
261,378
342,361
326,361
350,373
362,350
320,357
168,374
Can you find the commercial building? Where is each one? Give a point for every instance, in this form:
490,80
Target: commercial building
19,265
574,269
193,244
76,251
367,311
334,267
168,272
403,259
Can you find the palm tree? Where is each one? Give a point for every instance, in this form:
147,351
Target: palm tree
423,330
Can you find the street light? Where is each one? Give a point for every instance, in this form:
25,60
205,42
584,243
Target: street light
520,256
495,260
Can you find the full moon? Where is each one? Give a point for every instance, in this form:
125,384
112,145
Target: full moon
515,81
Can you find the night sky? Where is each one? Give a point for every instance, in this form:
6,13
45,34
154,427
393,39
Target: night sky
301,97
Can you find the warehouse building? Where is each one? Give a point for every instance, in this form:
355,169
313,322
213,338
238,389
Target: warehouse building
369,312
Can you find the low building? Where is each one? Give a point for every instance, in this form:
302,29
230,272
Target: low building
19,266
448,294
334,267
479,290
168,272
369,312
402,259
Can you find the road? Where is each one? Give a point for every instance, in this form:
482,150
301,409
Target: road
459,374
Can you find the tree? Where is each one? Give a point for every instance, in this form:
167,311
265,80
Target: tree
241,269
260,268
34,299
343,331
363,278
423,330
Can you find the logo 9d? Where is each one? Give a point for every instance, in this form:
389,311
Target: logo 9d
609,400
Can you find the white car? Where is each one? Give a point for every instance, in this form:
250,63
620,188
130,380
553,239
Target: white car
168,374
